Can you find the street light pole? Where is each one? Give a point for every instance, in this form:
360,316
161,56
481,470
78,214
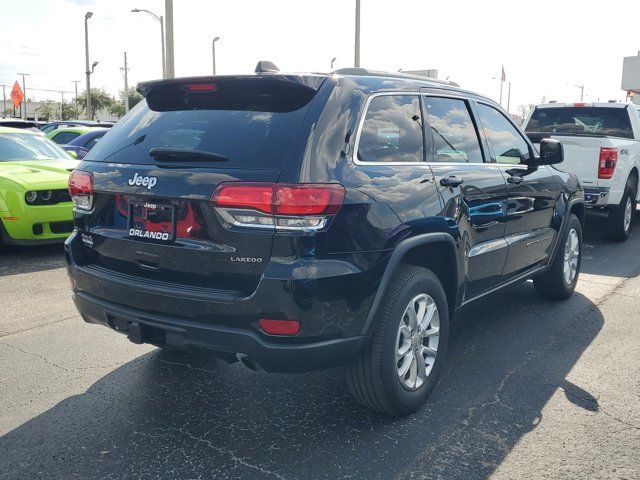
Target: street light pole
160,19
213,53
581,87
87,16
332,62
509,98
24,92
168,15
356,60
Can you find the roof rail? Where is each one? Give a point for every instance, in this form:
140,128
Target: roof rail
363,72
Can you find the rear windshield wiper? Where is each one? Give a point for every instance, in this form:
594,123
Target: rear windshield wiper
172,153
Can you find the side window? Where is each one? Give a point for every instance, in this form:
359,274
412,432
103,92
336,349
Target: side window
63,138
505,142
89,145
392,130
454,136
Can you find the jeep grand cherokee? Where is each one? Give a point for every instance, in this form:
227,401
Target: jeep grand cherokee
304,221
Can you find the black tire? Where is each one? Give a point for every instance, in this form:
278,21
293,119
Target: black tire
617,229
373,378
552,284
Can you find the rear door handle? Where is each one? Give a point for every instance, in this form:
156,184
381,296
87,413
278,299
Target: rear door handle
451,181
515,179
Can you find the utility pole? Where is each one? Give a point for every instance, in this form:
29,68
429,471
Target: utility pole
24,91
126,84
168,15
502,79
62,106
356,60
4,99
87,16
76,84
509,98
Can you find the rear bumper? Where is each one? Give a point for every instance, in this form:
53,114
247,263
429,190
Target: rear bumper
271,355
596,196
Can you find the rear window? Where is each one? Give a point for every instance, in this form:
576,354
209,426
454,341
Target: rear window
253,126
589,121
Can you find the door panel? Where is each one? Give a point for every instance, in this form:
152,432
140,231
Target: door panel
529,214
531,193
478,206
478,203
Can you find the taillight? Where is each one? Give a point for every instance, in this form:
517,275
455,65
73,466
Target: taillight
607,162
299,206
81,189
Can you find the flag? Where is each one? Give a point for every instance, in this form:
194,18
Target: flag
504,75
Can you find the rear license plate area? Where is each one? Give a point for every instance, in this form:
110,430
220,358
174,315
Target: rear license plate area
152,221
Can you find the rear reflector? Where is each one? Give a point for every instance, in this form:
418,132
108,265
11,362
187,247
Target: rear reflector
280,327
81,189
607,162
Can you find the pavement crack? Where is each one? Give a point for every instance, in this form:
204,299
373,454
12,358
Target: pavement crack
44,359
189,366
226,451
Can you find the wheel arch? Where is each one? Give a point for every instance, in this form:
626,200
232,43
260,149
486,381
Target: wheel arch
633,174
440,257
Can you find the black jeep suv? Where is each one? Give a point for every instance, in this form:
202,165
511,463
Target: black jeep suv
304,221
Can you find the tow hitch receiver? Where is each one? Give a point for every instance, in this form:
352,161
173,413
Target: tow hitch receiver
135,333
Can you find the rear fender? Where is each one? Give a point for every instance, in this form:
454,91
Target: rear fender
397,257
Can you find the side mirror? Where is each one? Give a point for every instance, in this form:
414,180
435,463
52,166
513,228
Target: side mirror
551,152
72,154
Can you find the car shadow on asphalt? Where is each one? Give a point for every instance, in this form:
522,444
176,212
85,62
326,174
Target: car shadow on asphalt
168,415
15,260
606,257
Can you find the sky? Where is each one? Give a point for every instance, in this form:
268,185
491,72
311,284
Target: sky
547,47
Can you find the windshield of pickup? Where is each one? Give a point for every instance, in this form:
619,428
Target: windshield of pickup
587,121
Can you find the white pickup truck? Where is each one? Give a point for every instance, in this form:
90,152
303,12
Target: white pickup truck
602,148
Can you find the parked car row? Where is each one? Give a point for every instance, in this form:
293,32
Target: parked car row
302,221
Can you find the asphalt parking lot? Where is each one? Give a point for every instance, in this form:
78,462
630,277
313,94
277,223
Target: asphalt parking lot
532,390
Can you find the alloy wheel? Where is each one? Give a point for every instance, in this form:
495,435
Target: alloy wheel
417,341
571,256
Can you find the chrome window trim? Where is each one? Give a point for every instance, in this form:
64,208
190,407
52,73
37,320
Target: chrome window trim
365,110
354,155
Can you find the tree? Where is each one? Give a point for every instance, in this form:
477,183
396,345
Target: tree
525,109
118,109
100,100
70,111
48,110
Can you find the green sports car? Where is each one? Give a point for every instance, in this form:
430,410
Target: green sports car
35,206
